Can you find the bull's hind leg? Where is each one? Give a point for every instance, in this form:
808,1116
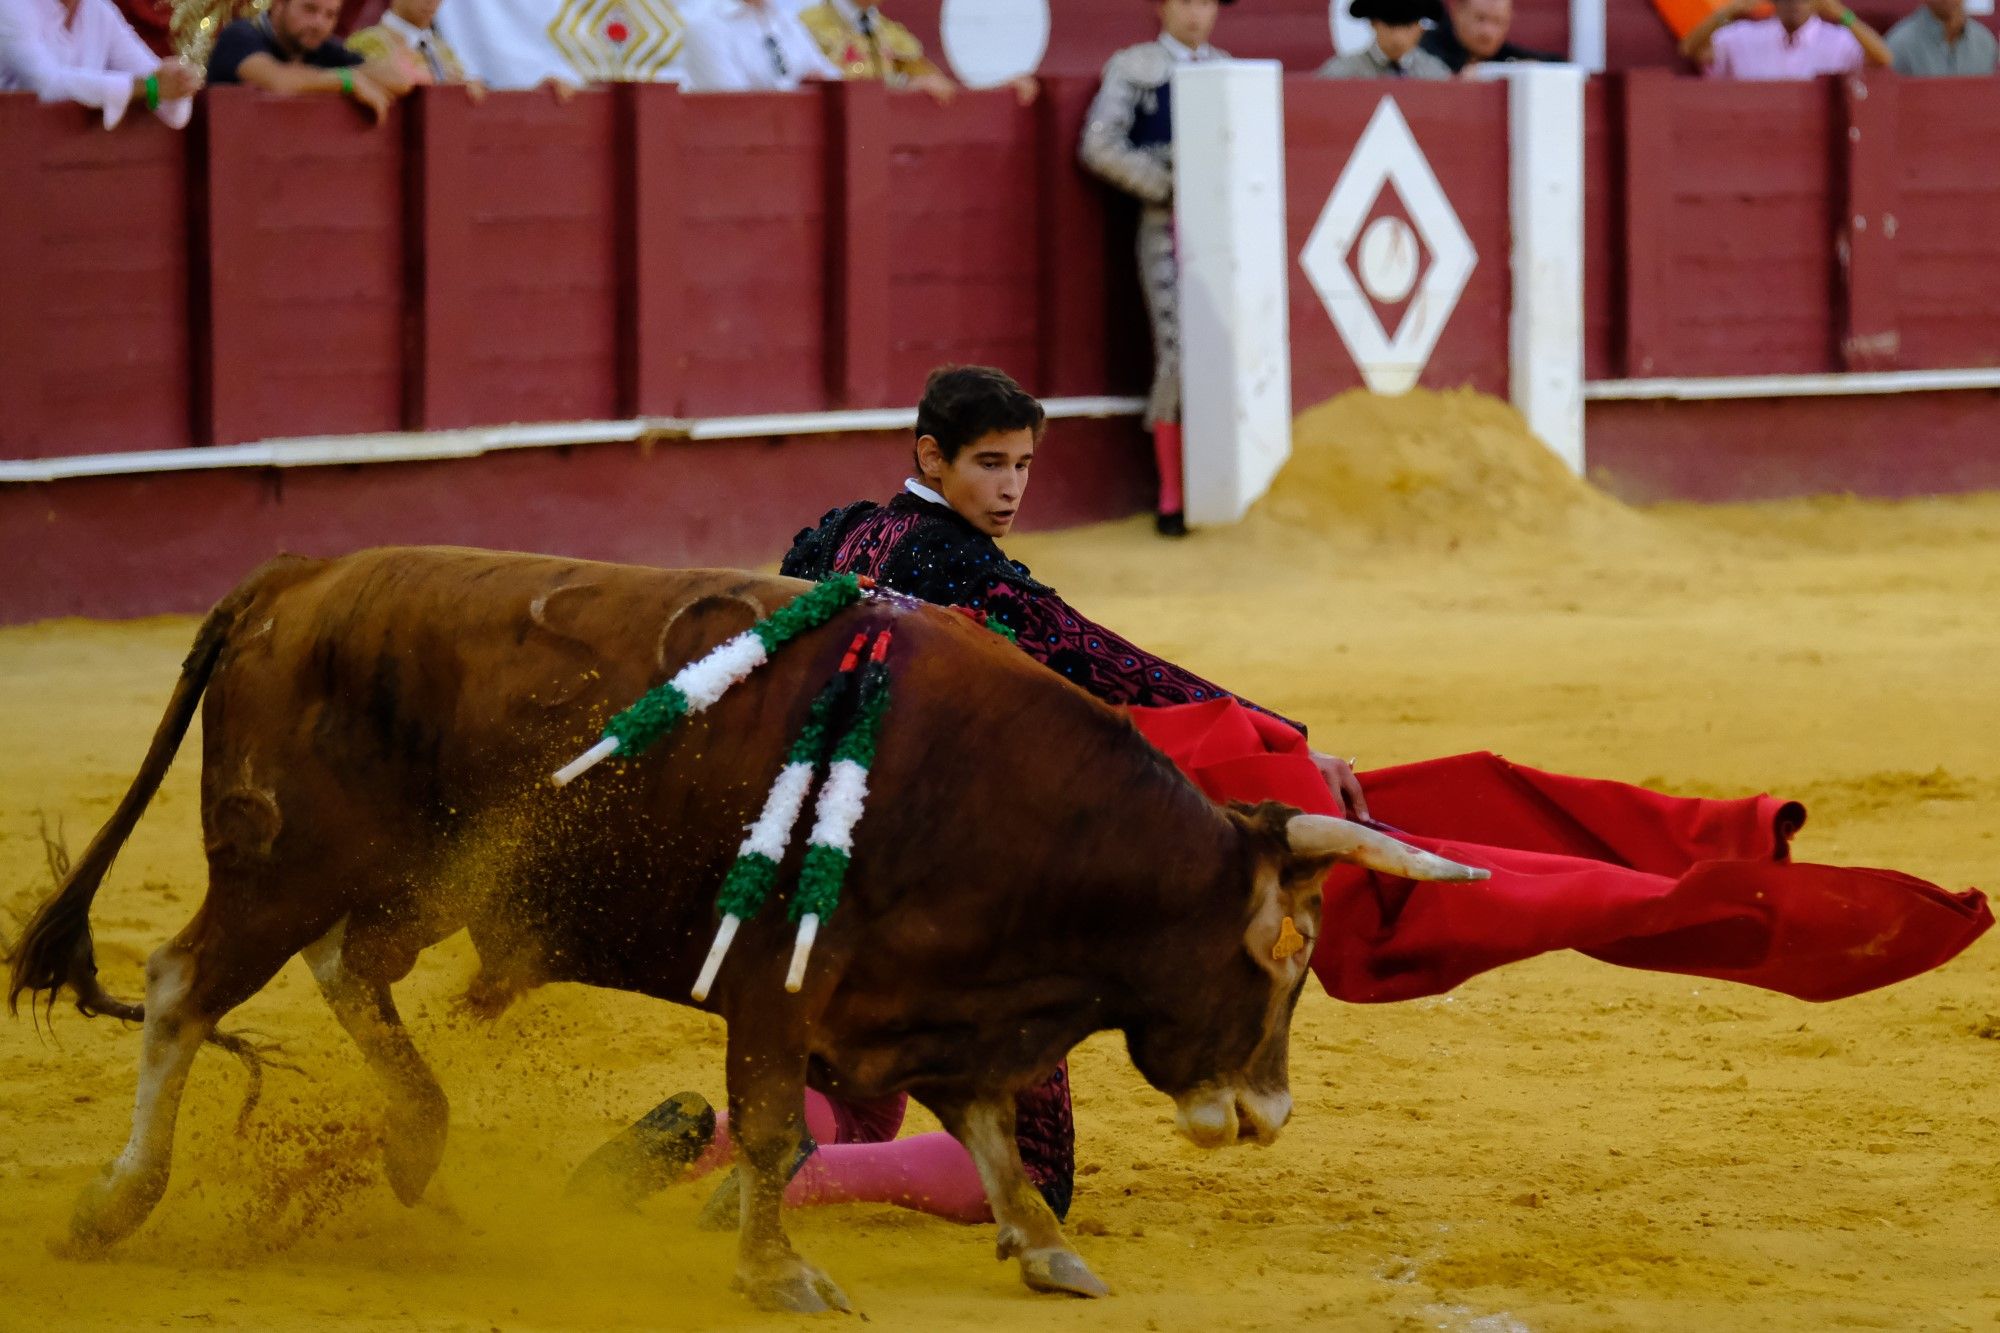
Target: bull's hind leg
417,1109
124,1193
767,1120
1029,1230
221,959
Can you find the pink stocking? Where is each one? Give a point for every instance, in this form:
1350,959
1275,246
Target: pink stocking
931,1173
828,1121
1167,457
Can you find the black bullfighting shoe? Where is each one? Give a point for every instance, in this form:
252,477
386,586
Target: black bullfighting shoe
648,1156
724,1209
1170,525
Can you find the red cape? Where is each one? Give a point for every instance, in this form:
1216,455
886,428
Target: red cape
1626,875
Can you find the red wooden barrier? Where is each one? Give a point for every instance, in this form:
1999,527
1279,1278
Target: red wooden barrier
963,238
94,353
300,267
1461,130
520,245
1729,214
1947,142
1603,229
755,218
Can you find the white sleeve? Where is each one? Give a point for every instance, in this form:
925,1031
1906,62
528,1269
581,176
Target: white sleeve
28,59
816,65
709,68
134,57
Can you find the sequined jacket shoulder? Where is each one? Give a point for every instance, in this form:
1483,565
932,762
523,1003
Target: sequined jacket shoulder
1128,136
927,551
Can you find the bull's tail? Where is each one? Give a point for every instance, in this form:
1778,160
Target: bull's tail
56,949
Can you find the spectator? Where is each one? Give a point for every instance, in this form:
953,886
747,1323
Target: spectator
406,39
866,45
752,46
1477,31
290,49
1936,42
84,51
1395,53
1806,39
1128,141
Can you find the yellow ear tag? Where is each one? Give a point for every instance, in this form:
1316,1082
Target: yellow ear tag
1289,941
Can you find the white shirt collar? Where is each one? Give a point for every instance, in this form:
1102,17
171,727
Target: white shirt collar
405,29
1181,51
850,11
923,492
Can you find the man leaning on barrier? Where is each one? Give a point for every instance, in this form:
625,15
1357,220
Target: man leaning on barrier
290,49
84,51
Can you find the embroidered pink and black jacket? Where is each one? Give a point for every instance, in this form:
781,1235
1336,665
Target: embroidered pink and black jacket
924,549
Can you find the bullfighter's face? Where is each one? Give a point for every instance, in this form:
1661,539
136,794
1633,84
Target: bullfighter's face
985,482
1189,22
1398,39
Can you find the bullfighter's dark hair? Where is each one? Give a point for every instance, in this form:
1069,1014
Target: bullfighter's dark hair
966,403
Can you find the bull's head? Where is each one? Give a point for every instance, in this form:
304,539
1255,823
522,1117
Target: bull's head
1219,1044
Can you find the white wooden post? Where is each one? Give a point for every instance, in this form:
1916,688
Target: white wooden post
1236,374
1545,353
1586,35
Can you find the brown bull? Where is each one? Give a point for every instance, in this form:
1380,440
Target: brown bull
377,740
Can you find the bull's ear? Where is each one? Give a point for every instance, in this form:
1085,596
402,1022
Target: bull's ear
1284,921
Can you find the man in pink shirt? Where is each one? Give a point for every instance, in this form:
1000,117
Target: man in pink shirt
1806,39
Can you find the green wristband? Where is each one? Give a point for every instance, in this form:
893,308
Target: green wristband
347,82
1847,19
152,92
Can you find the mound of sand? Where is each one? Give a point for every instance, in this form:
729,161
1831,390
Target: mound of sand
1429,469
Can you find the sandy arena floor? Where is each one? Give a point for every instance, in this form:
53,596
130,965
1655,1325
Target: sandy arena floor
1560,1145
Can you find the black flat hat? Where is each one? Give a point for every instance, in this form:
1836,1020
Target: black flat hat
1397,13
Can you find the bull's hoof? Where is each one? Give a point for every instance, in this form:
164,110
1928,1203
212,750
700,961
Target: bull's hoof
798,1288
414,1144
1060,1270
112,1207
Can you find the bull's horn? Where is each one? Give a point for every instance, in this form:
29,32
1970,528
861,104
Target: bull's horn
1324,835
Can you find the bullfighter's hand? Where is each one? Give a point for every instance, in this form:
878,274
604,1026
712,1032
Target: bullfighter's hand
1026,89
941,89
372,95
1340,780
388,76
178,79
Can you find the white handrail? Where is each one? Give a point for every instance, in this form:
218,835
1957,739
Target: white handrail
422,446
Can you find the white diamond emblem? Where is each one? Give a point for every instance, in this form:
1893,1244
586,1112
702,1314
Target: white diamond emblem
1385,157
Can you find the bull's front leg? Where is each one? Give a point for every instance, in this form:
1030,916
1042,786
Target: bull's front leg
1029,1230
767,1120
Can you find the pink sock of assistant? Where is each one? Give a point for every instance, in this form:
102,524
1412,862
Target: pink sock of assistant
828,1122
931,1173
1167,457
